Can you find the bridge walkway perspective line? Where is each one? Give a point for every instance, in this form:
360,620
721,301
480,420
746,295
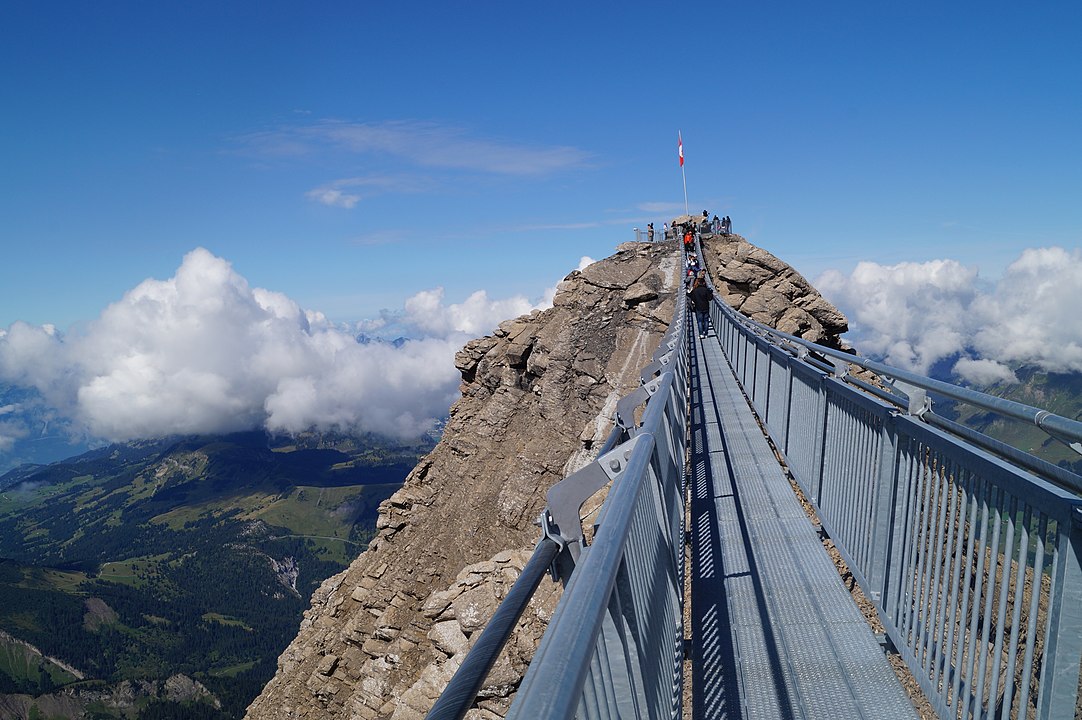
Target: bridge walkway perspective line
776,633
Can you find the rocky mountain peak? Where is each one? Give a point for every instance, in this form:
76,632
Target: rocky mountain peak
382,639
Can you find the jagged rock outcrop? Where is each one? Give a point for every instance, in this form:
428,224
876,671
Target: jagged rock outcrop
768,290
382,638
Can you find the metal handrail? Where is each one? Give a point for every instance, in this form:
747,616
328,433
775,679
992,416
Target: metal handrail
614,645
629,453
455,701
973,563
1055,425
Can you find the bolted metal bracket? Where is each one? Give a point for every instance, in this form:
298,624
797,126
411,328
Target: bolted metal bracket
665,347
625,408
841,368
919,403
560,520
655,368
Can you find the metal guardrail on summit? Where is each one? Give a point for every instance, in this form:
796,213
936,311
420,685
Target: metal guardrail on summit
615,644
972,560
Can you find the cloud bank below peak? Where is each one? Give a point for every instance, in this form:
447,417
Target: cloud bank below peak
914,315
204,352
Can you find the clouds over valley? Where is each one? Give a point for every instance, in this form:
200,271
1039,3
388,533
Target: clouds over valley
204,352
914,315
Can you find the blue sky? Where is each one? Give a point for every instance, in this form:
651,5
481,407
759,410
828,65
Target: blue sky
202,203
350,155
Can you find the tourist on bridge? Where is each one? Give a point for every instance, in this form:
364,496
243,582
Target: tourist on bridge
650,232
701,295
689,241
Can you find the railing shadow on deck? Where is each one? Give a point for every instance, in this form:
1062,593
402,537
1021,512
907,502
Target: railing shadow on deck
715,674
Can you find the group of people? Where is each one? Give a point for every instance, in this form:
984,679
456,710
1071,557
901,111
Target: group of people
690,226
724,226
699,293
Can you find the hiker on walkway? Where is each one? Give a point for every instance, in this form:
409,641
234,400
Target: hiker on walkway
701,295
650,232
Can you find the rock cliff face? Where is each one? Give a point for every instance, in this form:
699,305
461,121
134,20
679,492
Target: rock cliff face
383,638
767,290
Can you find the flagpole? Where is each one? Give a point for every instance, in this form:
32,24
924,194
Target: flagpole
680,151
685,179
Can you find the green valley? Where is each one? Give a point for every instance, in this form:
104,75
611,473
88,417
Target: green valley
182,563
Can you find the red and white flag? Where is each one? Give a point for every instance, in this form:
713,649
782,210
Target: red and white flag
680,148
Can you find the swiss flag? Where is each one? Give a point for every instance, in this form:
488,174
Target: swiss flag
680,148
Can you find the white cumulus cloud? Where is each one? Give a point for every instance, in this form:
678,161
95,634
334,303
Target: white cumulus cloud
204,352
915,314
475,315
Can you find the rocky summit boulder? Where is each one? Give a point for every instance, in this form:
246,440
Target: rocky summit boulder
768,290
382,639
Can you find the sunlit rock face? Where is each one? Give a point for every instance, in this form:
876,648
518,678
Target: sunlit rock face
383,638
768,290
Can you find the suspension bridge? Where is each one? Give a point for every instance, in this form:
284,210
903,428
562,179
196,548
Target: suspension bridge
707,588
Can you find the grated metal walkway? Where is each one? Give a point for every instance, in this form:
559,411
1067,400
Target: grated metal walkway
776,634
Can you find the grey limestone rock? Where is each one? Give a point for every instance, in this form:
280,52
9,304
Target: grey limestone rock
537,395
768,290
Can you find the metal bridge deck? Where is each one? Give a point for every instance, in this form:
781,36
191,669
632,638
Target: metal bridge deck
776,634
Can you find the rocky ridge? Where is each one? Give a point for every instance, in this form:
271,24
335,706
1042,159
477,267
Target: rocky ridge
382,639
768,290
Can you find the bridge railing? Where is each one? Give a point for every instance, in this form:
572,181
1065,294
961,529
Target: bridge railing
614,646
972,562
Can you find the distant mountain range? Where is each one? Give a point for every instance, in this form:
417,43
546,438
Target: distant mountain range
1059,393
365,339
177,563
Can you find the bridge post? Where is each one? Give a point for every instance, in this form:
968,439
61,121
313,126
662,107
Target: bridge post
1059,680
886,543
819,453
